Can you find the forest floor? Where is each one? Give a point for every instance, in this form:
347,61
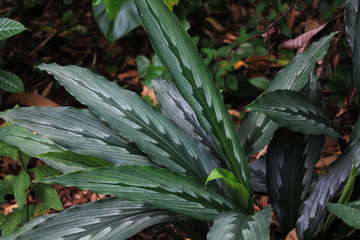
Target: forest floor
79,41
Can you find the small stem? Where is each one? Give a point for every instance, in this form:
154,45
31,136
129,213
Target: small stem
27,208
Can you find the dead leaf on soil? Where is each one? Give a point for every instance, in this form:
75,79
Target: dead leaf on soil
292,235
47,90
30,99
233,112
324,163
150,93
9,208
132,77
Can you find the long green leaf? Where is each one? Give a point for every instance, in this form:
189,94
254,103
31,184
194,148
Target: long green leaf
27,142
194,81
238,226
258,174
356,54
78,130
34,145
256,132
356,132
10,82
291,158
9,28
290,162
174,106
22,182
350,212
111,218
124,20
350,13
293,110
330,184
127,113
157,186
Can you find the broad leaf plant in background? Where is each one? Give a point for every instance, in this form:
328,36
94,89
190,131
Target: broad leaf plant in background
9,81
187,164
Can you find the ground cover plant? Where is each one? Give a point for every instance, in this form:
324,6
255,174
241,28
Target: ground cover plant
186,163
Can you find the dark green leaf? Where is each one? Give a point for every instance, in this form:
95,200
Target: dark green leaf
78,130
293,110
330,184
356,131
111,218
256,132
8,151
41,209
127,113
10,222
260,82
48,196
7,186
113,7
350,212
9,28
126,20
258,174
157,186
43,171
238,226
22,183
194,81
356,56
10,82
290,162
350,14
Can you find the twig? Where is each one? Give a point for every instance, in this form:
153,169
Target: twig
272,24
43,43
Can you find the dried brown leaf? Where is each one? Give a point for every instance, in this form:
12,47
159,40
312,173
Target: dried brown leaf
292,235
30,99
302,41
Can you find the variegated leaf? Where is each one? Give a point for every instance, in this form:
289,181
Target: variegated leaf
78,130
258,174
350,13
129,115
293,110
330,184
45,149
9,28
239,226
174,106
194,81
290,162
111,218
256,132
159,187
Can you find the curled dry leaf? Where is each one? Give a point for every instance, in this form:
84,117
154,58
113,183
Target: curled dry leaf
302,41
292,235
30,99
150,93
132,77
